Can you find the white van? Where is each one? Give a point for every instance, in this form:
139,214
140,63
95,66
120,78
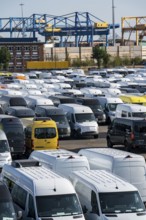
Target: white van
82,120
61,161
129,166
105,196
109,105
40,193
130,110
91,92
33,101
5,155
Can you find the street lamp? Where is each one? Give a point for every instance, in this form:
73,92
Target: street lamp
21,5
113,20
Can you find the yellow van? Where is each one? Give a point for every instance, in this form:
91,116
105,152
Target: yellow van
41,134
133,99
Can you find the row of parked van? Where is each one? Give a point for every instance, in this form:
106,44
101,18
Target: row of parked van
93,184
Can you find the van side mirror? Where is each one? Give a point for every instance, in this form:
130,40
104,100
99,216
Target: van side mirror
84,208
19,215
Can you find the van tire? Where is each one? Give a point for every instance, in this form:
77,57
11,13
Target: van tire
96,136
27,153
74,134
108,121
109,143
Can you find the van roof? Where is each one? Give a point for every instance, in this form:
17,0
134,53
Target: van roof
133,107
76,108
111,99
133,98
103,181
112,154
38,180
40,100
57,154
52,110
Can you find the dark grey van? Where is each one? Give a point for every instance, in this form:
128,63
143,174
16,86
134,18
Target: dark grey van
20,112
13,100
62,99
128,132
14,131
94,104
58,115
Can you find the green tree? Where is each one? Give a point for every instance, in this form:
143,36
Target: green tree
100,55
4,58
106,60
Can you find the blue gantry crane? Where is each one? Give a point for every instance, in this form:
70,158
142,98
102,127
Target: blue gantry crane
77,26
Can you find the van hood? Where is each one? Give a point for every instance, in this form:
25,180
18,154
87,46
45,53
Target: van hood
87,123
87,126
124,216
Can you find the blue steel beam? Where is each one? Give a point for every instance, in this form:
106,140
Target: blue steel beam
77,25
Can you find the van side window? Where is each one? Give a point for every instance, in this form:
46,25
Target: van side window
31,209
128,128
129,114
124,114
19,196
72,118
94,203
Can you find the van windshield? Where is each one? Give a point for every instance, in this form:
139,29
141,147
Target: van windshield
140,127
96,108
112,106
60,119
42,133
139,114
4,146
121,202
84,117
58,206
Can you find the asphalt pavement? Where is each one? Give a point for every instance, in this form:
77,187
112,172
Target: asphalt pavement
89,142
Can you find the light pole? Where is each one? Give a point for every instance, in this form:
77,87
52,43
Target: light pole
113,20
21,5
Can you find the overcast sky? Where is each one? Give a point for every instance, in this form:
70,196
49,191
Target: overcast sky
101,9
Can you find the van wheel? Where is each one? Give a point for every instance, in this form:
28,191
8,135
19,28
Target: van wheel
27,153
109,143
96,136
108,121
74,134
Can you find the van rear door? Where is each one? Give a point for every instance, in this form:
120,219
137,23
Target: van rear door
45,138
